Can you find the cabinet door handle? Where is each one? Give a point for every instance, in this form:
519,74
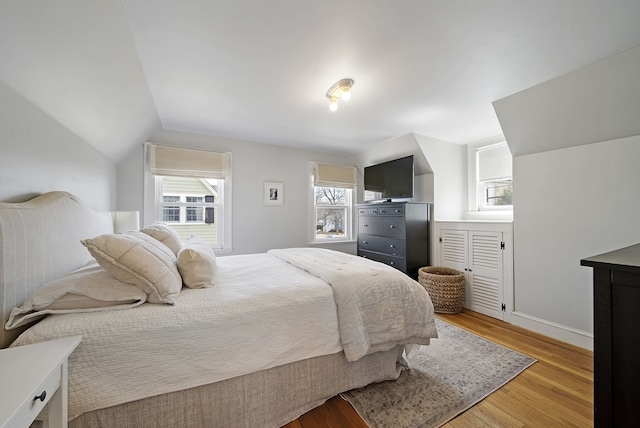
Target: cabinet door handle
365,225
41,397
392,227
364,242
382,211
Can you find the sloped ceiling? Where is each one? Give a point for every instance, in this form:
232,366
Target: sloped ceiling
115,72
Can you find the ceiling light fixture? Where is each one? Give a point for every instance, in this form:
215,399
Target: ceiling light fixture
340,89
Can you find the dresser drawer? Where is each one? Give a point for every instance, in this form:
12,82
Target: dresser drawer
381,210
382,225
396,262
381,244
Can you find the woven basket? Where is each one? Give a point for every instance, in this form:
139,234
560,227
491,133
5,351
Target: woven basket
445,287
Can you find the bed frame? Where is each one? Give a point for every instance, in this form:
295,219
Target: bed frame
40,241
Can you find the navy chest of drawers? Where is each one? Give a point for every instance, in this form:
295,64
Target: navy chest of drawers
395,233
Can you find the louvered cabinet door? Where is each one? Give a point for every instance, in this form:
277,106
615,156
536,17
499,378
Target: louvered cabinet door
479,256
454,252
485,273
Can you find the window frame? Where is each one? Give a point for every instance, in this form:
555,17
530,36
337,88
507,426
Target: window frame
349,225
152,196
475,188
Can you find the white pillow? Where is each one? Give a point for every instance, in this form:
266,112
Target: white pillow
138,259
165,234
197,263
87,289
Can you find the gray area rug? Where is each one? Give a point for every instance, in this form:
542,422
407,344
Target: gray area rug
444,379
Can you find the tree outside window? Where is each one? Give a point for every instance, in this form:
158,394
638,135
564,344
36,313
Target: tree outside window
331,205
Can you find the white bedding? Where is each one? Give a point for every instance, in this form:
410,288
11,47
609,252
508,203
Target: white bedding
236,327
378,307
263,312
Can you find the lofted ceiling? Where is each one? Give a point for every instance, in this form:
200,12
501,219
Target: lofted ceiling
115,72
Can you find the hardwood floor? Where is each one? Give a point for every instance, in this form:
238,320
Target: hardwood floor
557,391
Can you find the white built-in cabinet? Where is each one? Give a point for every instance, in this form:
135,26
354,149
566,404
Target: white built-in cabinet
483,251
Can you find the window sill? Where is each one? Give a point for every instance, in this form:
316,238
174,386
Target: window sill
497,215
333,241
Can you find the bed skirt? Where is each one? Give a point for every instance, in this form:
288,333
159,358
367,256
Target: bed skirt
269,398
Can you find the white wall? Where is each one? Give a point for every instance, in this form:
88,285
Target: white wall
570,204
256,227
576,146
599,102
129,173
449,164
38,155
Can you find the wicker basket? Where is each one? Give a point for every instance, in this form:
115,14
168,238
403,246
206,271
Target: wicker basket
445,287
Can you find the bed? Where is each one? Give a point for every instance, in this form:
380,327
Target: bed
276,335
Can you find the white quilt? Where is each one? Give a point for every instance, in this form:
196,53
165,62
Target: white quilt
261,313
378,307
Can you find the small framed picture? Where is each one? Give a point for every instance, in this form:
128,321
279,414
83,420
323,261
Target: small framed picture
273,193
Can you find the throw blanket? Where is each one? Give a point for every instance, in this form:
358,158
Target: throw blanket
378,306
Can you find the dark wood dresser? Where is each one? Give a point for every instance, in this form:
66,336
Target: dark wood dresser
395,233
616,336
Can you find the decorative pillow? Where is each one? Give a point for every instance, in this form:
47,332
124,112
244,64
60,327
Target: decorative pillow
138,259
87,289
165,234
197,263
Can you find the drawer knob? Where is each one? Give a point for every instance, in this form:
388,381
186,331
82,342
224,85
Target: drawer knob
41,397
392,263
364,242
392,246
392,227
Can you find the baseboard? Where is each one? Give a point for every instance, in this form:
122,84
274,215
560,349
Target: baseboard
566,334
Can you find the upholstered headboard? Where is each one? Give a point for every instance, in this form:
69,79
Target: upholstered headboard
40,241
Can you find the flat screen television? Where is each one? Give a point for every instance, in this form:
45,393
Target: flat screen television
388,181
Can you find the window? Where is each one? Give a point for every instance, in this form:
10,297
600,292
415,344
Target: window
195,213
490,177
170,212
332,207
186,189
333,187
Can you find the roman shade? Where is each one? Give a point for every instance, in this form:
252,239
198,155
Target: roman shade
176,161
325,175
494,163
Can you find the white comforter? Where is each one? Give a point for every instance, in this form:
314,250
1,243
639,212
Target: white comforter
263,312
378,307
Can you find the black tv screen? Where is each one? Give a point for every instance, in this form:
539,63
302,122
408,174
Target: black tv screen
389,180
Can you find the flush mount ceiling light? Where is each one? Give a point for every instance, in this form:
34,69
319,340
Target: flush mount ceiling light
340,89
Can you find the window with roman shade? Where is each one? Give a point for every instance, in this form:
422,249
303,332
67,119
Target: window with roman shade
187,192
494,176
333,187
179,162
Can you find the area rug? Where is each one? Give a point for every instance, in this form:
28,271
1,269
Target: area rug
442,380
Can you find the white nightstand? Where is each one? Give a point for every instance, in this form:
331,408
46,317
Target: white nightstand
31,377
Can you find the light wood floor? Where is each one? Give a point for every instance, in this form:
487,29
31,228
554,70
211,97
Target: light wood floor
557,391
